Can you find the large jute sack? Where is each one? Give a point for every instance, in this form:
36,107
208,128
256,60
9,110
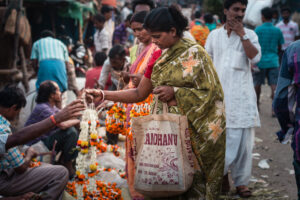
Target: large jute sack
253,11
24,27
164,158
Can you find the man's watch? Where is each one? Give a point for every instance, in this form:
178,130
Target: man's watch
245,37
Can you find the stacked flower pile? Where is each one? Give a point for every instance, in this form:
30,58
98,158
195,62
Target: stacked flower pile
104,191
139,109
103,147
116,119
85,185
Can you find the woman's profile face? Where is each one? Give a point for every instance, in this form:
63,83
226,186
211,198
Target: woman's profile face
141,33
164,40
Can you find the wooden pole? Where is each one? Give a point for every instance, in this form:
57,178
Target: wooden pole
24,69
80,33
17,34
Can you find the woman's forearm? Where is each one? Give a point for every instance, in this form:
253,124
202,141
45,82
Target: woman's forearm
125,96
131,95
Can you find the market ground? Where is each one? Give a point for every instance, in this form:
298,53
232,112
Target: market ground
277,182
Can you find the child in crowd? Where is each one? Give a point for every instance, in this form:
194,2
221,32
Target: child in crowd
93,74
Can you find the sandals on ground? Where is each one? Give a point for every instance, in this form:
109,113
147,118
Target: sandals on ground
243,191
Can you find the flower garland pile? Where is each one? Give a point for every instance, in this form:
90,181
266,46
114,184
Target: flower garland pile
104,191
115,121
103,147
138,110
90,144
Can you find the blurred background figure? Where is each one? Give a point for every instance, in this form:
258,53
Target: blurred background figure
122,32
199,30
289,28
109,25
50,57
126,10
270,39
142,5
93,74
102,40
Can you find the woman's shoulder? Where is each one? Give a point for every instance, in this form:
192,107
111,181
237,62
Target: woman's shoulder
192,47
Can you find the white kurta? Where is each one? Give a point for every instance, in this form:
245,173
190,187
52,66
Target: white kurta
101,40
109,26
234,71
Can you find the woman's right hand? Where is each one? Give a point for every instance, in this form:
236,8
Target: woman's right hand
173,102
136,79
125,76
73,110
93,95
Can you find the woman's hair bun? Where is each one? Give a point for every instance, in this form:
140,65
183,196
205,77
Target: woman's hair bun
180,20
164,18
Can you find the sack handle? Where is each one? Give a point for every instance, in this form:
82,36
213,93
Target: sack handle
165,106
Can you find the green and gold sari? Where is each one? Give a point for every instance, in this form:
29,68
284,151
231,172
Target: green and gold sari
198,92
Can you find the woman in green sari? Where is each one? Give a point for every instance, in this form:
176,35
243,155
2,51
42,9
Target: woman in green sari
185,78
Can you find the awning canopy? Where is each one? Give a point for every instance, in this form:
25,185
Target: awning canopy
71,8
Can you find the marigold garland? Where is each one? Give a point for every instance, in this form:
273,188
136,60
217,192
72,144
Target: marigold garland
115,121
103,191
138,110
89,144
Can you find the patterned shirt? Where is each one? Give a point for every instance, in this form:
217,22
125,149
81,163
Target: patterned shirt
49,48
39,113
270,38
288,95
120,35
13,157
289,31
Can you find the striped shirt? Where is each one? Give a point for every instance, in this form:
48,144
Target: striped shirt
270,38
49,48
286,102
289,31
12,158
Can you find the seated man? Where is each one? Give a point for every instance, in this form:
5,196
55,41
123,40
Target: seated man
48,99
16,178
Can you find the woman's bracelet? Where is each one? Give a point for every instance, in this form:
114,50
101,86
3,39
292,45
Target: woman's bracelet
103,95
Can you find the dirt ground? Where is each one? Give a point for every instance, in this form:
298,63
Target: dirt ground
277,182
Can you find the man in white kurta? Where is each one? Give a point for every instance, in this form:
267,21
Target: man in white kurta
233,48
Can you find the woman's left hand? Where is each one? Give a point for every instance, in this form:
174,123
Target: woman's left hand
165,93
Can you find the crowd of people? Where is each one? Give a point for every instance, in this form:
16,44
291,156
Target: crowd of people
208,69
